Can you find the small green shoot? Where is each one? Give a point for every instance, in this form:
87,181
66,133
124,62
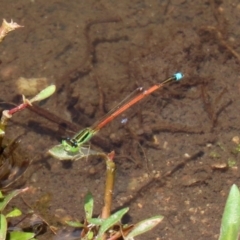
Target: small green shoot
96,221
3,227
88,208
231,217
90,235
11,235
74,224
97,227
14,213
7,114
45,93
88,205
111,221
16,235
6,199
144,226
109,226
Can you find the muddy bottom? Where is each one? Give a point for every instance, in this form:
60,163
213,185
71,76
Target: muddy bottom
176,156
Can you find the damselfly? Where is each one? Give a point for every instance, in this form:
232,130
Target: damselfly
73,148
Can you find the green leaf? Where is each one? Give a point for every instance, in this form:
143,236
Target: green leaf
14,213
111,221
21,235
9,197
231,217
96,221
45,93
90,235
59,152
88,205
74,224
144,226
3,227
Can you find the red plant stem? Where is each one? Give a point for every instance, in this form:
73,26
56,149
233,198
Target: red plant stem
18,108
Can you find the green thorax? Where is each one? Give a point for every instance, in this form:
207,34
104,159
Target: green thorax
74,144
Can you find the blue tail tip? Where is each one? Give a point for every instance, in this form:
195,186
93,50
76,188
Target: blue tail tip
178,76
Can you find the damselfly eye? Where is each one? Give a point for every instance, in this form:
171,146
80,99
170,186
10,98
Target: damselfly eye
74,143
68,141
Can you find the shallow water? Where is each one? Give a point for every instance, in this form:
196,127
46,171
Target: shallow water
97,52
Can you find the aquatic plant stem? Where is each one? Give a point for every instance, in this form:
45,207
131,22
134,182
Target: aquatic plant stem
7,114
110,175
106,211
